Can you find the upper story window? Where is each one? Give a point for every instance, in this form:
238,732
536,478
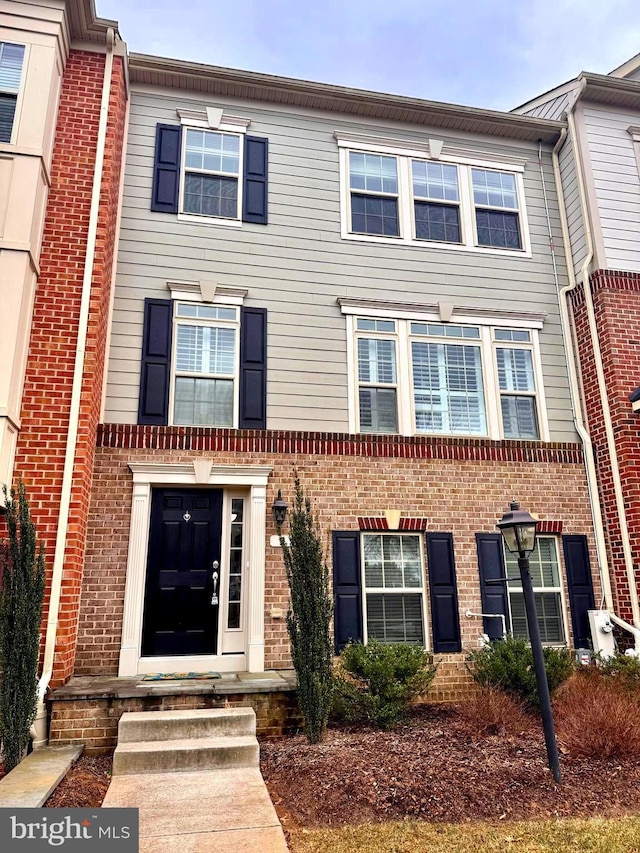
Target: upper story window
427,377
391,192
212,166
496,209
11,60
205,368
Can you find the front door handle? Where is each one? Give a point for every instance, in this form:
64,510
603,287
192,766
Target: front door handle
214,578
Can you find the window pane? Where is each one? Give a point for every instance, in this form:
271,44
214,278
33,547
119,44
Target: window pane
7,112
209,196
549,610
520,335
203,402
494,189
392,561
519,417
499,230
378,410
376,361
395,618
448,389
441,330
543,563
374,215
11,57
515,369
215,152
435,181
373,173
205,312
438,222
364,324
206,349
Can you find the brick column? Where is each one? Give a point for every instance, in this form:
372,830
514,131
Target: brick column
54,333
616,298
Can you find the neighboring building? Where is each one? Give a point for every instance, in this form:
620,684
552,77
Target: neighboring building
63,102
600,172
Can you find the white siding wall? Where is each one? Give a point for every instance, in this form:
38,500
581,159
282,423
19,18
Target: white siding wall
617,183
569,178
298,265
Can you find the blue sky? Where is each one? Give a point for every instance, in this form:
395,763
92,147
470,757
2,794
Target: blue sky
487,53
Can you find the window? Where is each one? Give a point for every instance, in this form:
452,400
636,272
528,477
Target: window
235,564
211,173
396,191
205,365
394,588
436,202
418,376
545,574
496,209
11,59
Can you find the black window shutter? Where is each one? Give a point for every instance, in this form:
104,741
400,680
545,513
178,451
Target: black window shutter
155,369
166,168
347,614
255,190
443,591
580,584
493,584
253,368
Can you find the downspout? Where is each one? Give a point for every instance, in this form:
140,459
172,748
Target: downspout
574,387
602,389
39,728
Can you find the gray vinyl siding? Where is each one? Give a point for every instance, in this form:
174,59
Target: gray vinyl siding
551,109
575,222
617,183
298,265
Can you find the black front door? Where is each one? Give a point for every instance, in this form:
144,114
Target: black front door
181,610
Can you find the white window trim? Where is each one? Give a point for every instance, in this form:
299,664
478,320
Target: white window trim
410,590
233,638
405,398
20,93
404,155
215,121
194,321
564,611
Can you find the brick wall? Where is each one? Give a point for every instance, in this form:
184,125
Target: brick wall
616,299
461,486
47,394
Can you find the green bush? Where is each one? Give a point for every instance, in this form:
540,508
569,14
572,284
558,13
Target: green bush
508,665
381,681
624,669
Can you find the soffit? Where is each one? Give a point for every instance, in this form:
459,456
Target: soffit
613,91
84,22
249,85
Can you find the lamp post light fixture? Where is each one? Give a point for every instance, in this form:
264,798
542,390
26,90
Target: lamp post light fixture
518,528
279,510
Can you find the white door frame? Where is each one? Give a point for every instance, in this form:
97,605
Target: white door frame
198,472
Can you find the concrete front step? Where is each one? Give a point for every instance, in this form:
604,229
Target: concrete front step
202,753
184,725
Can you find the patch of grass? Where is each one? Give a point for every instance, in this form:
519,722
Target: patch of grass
596,835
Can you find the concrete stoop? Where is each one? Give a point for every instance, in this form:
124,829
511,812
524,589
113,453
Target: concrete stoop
179,741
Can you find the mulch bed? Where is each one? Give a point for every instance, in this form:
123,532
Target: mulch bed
85,784
436,767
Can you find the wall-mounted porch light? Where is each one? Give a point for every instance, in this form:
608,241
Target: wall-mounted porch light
279,510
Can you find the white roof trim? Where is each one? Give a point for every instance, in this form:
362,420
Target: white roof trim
213,118
627,67
433,314
207,291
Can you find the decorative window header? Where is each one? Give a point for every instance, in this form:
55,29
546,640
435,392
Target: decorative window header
213,118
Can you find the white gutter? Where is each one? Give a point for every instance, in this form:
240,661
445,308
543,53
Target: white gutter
39,729
574,387
602,389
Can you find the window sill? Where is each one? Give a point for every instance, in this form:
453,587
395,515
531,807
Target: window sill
209,220
428,244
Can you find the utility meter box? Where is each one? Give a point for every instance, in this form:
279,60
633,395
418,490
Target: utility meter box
602,634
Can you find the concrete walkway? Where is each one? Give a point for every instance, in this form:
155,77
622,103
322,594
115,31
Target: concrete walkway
222,811
30,784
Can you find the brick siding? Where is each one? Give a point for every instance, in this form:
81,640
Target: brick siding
616,298
49,376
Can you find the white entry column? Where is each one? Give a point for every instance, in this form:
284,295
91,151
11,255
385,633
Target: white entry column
255,650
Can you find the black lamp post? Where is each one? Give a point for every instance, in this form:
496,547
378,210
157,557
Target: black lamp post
518,530
279,510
